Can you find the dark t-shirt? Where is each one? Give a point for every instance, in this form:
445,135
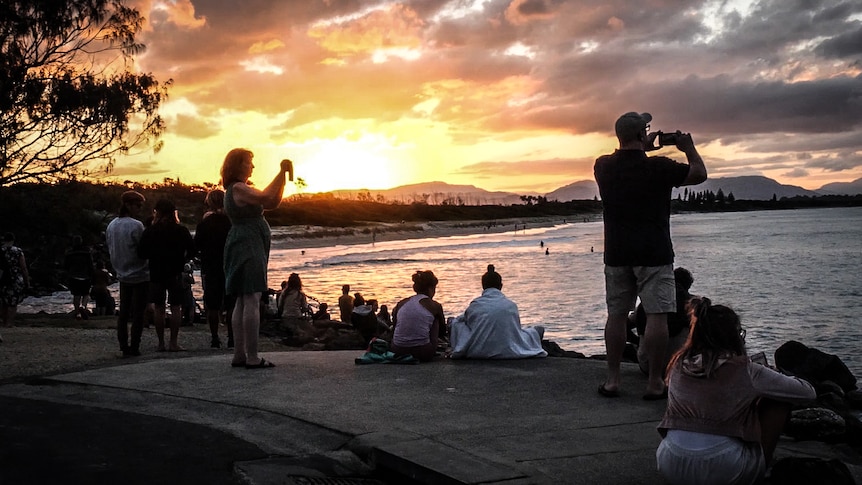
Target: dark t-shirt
167,246
210,237
636,191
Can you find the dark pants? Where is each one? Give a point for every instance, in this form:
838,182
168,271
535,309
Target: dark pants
133,304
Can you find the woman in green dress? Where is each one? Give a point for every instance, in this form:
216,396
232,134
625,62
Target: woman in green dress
246,251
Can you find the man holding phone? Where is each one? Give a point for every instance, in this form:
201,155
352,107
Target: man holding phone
636,191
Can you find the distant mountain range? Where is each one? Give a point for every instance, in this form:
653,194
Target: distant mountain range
753,187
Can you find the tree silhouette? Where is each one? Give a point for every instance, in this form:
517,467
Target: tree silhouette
67,96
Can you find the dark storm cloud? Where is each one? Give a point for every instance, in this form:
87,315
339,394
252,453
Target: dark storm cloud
744,78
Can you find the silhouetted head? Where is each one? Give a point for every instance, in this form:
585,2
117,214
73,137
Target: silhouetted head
166,211
492,279
233,169
683,278
293,282
77,242
345,289
8,237
632,127
424,282
128,199
215,199
716,332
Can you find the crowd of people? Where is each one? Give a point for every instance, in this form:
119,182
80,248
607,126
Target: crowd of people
724,413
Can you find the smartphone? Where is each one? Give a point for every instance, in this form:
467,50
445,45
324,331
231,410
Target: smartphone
667,139
759,358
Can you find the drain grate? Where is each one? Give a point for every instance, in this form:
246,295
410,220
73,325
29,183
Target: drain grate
301,480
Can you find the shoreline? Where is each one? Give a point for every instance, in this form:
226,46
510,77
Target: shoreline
302,237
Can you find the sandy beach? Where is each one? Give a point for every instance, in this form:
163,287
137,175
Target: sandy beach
44,344
298,237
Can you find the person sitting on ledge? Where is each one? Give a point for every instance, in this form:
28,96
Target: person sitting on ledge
418,320
677,323
322,312
724,413
491,327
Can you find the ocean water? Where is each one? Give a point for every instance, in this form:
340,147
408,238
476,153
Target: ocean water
791,275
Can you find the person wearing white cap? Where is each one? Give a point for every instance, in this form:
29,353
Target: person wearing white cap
636,192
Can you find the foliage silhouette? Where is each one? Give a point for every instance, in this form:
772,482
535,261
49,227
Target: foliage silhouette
67,97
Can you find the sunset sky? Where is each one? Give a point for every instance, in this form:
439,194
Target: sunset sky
513,95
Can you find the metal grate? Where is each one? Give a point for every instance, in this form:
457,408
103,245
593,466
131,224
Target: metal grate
301,480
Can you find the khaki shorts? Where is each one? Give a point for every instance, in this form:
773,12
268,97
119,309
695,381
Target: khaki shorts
654,285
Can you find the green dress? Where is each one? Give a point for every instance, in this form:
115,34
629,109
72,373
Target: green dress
246,250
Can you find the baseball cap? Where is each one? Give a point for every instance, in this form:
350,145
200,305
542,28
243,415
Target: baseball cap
131,197
631,124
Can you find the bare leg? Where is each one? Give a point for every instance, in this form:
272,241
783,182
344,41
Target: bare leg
655,340
251,326
773,416
159,322
615,343
239,352
176,319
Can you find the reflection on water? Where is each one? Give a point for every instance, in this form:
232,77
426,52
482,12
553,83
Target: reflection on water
792,275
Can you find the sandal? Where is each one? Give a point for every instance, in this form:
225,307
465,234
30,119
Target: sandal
263,364
237,364
608,393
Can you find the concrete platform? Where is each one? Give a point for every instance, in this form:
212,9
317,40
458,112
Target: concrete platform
491,422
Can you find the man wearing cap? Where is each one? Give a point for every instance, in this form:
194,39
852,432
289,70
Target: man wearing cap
636,192
122,237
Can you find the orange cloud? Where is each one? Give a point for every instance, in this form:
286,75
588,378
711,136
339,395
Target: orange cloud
397,26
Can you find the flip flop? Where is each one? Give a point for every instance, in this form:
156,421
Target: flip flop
237,364
263,364
655,397
608,393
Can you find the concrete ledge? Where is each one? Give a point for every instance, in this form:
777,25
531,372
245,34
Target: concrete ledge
426,461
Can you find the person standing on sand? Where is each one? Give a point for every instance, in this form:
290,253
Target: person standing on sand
345,304
167,245
78,263
122,238
14,281
636,191
210,236
246,252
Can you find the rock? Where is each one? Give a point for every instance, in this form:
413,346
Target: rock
815,424
854,399
806,470
554,350
813,365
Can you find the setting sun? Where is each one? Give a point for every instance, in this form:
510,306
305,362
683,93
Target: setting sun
520,97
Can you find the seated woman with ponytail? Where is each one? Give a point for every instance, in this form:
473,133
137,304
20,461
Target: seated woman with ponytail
418,320
724,413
